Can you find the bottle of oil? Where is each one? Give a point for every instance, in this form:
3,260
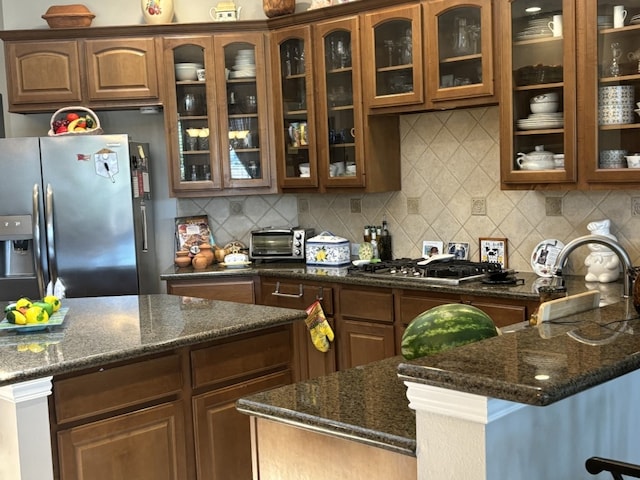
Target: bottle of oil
384,242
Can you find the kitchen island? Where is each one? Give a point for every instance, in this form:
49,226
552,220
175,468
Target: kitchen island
535,402
101,337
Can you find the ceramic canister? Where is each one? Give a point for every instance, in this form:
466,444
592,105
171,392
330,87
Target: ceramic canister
157,11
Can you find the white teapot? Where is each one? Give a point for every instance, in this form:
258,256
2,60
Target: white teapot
225,12
536,160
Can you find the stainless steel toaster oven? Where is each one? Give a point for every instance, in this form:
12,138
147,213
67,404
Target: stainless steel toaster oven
279,243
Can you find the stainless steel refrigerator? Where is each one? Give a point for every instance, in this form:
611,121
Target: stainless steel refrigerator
75,213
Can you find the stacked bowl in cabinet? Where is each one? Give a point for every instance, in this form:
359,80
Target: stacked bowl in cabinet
616,104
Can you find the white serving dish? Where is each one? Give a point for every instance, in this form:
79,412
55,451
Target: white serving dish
544,107
328,249
187,71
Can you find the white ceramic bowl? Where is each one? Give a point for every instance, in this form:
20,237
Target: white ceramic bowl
616,95
615,114
544,107
187,71
546,97
304,169
633,161
612,159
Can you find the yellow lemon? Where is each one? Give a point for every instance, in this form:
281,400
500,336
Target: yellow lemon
14,316
36,347
37,315
23,304
54,301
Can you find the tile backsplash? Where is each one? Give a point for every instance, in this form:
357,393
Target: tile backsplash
450,193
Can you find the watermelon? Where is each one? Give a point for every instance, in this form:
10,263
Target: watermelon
443,327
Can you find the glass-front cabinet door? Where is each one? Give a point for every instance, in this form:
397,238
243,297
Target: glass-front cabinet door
242,110
538,101
392,52
339,131
191,123
295,128
612,90
459,52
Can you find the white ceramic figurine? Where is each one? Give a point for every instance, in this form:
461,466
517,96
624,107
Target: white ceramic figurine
602,264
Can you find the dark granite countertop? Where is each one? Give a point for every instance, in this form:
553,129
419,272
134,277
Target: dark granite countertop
106,329
367,404
302,272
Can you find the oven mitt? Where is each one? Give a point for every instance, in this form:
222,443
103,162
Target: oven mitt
319,328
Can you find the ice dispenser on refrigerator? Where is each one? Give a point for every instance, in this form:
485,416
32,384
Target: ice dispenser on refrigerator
17,262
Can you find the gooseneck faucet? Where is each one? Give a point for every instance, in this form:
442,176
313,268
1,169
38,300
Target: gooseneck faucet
602,240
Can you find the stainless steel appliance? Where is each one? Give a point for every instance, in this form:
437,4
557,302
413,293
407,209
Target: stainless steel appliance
279,243
448,272
75,210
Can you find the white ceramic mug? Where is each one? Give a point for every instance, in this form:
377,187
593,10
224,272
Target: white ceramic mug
556,25
619,14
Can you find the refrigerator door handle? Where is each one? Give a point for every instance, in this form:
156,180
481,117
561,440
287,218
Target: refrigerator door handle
145,231
36,248
51,246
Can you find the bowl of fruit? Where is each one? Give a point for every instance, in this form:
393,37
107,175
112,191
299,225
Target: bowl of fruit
74,121
26,315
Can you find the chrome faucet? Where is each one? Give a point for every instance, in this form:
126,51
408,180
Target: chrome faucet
602,240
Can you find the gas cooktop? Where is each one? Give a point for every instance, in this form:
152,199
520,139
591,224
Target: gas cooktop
447,272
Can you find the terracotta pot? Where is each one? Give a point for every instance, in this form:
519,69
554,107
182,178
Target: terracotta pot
200,261
205,249
183,261
275,8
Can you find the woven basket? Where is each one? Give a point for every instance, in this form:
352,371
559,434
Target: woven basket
276,8
83,112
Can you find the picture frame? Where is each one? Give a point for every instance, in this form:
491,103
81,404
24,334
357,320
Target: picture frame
494,250
459,250
431,247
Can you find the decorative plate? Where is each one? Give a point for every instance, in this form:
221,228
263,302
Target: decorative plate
56,319
544,257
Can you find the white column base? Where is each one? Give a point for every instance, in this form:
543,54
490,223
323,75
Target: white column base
461,435
25,438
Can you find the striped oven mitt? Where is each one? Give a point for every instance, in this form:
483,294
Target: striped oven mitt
319,328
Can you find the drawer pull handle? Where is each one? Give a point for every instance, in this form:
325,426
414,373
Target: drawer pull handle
288,295
320,294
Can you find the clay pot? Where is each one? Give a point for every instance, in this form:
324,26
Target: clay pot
275,8
183,261
205,249
200,261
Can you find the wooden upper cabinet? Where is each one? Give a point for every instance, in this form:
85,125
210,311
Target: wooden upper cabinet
392,56
43,73
122,68
459,49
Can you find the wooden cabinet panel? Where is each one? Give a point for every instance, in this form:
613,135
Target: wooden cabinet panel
122,69
116,387
222,434
360,343
239,290
501,314
409,306
43,72
241,358
370,304
145,444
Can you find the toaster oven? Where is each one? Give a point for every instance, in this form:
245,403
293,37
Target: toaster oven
279,243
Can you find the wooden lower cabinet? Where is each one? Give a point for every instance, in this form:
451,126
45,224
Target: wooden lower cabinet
223,449
144,444
287,293
240,290
168,416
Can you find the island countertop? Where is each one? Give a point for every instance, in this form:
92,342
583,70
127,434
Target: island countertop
533,365
100,330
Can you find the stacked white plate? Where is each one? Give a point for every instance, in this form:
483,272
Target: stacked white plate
245,65
635,20
536,28
541,121
605,21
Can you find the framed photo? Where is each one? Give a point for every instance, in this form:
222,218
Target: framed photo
494,250
431,247
459,250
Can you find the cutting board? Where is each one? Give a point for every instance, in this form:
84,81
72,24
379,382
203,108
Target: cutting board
561,307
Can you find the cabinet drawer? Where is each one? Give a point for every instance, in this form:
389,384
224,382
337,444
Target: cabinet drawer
298,295
245,357
239,290
502,315
367,305
118,387
411,307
